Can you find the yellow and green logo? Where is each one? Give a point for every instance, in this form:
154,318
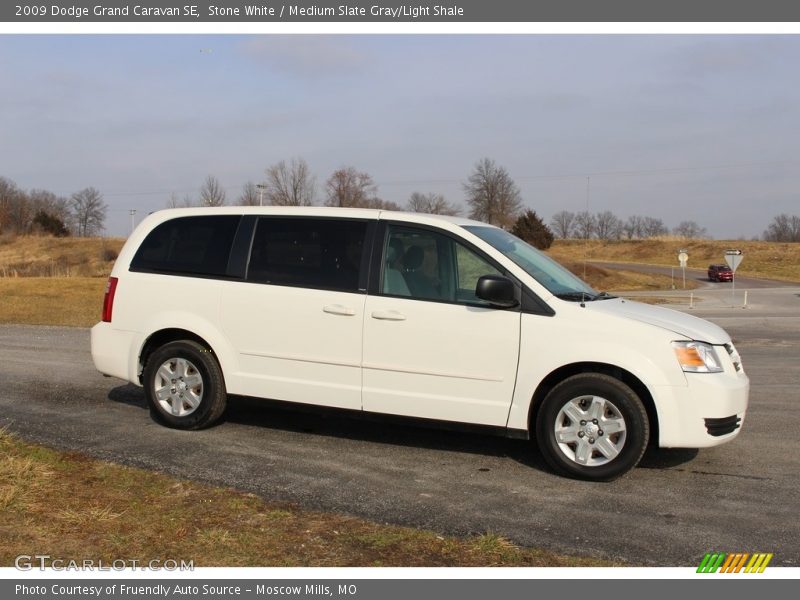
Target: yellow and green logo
738,562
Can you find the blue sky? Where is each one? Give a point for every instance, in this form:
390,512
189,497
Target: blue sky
673,126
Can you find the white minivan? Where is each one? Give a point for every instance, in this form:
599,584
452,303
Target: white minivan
423,316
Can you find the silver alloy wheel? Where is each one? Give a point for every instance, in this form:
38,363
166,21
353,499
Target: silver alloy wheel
178,387
590,431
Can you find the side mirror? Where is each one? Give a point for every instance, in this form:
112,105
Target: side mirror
497,290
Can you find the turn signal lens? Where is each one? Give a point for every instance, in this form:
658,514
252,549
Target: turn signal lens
697,357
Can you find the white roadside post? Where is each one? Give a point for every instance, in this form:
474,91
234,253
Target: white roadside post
734,258
683,258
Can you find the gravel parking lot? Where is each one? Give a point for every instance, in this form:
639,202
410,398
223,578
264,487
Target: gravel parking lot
676,506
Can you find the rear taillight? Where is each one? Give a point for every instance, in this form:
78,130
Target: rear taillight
108,299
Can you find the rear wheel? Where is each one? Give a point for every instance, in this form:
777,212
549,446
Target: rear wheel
184,385
592,426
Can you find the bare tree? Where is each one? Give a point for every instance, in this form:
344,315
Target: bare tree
584,225
56,208
348,187
652,227
290,184
15,209
251,195
690,229
175,202
8,190
88,212
492,195
383,204
633,227
433,204
19,209
783,228
562,223
212,193
608,226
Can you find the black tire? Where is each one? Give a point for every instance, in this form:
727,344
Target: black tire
186,402
585,395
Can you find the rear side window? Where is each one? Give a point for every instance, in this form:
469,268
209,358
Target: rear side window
314,253
188,245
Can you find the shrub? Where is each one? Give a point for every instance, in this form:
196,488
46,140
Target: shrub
50,224
530,228
108,254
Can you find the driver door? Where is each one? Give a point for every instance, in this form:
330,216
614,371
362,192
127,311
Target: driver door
432,349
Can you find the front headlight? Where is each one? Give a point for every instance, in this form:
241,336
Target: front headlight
697,357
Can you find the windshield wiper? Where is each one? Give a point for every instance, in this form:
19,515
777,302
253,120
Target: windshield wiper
603,296
576,296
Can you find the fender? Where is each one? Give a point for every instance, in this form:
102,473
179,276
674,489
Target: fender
547,345
196,325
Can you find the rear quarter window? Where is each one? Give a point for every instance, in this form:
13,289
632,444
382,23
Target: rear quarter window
188,245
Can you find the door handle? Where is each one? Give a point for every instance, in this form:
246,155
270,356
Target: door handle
338,309
388,315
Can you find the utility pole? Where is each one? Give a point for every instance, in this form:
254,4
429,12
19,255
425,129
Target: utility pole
260,187
132,213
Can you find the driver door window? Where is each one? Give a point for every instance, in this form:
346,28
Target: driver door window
425,265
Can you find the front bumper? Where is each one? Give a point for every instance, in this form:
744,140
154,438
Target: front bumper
709,411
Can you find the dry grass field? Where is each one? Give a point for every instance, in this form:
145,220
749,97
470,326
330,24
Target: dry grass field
72,507
618,280
44,256
771,260
72,301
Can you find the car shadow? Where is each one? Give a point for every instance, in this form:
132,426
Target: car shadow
382,429
354,425
667,458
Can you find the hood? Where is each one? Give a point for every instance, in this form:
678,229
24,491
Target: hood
686,326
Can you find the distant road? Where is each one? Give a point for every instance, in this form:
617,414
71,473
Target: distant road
695,274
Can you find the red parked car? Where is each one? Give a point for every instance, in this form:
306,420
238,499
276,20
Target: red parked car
720,273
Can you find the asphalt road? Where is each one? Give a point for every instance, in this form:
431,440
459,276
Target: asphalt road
673,508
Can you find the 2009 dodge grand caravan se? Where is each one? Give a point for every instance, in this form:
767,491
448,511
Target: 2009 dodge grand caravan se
406,314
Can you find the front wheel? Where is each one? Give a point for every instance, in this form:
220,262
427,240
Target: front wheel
184,385
592,426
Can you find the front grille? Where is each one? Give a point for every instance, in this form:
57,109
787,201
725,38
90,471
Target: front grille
723,426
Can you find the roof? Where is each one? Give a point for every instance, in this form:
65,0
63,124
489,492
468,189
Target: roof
316,211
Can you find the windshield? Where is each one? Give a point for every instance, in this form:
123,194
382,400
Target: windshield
542,268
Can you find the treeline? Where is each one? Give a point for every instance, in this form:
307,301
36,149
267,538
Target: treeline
291,183
606,225
41,211
784,228
490,195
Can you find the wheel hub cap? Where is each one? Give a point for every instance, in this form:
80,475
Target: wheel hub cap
590,431
178,387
